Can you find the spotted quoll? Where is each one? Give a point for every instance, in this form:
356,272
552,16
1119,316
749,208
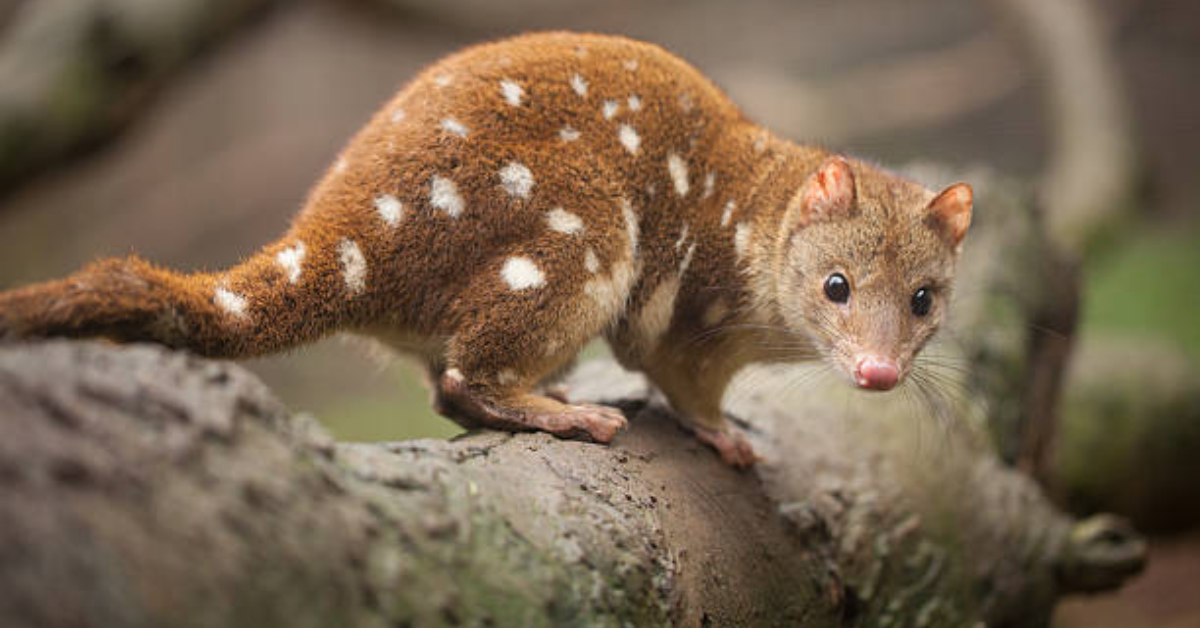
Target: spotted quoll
522,197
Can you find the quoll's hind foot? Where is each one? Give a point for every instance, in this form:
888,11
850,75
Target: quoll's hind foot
730,443
522,412
600,422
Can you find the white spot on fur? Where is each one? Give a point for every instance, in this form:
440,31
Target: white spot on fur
390,209
292,261
710,181
727,213
741,240
685,102
610,108
631,226
506,377
579,85
655,316
760,143
397,115
683,234
450,125
443,80
516,179
563,221
629,138
354,266
443,194
631,64
454,375
635,103
687,259
678,169
601,291
512,92
521,273
611,293
568,134
232,303
340,166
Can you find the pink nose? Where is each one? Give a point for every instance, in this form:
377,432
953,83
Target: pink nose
876,373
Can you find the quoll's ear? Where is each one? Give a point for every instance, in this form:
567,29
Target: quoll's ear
827,194
950,212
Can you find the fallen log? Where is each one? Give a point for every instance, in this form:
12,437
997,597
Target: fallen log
145,488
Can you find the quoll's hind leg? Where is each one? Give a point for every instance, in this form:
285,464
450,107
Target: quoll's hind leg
451,396
524,318
521,411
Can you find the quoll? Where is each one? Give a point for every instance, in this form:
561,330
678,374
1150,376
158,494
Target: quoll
522,197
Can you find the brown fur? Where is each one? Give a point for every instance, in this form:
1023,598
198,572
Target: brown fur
670,290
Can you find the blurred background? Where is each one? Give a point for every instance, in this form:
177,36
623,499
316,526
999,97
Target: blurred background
189,131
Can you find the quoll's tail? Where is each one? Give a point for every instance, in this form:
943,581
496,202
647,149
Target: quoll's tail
281,297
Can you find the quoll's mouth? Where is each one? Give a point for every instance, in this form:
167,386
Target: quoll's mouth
873,372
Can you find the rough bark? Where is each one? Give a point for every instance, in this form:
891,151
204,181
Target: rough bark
143,488
74,71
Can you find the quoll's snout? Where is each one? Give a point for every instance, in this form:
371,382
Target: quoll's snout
875,373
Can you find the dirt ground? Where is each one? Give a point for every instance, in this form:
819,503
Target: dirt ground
226,154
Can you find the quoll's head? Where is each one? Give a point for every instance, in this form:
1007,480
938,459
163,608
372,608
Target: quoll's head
868,260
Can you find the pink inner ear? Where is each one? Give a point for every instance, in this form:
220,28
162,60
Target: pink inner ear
952,210
830,190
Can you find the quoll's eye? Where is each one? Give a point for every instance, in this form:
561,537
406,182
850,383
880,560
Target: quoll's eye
837,288
921,302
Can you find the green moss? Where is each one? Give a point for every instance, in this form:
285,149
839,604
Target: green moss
1148,286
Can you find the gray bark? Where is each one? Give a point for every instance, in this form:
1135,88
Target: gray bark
144,488
140,487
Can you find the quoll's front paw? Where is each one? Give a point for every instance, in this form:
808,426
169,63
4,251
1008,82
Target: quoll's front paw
735,450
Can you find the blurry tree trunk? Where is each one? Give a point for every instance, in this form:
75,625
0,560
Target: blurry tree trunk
1090,182
7,10
140,487
72,72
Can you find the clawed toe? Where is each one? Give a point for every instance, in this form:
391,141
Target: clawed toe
601,423
732,445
